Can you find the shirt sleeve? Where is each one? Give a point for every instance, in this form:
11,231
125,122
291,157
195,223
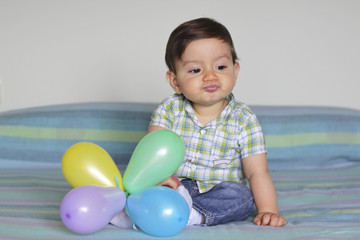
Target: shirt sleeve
162,115
252,138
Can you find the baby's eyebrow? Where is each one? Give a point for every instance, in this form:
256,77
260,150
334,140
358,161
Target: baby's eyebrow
224,56
184,63
190,61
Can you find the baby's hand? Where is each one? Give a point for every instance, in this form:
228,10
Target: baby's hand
172,182
272,219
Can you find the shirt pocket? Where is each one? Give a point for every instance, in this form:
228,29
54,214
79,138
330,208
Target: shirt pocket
224,149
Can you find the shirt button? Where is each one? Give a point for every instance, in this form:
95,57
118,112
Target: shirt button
198,154
203,131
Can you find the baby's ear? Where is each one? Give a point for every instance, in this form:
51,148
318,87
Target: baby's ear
171,77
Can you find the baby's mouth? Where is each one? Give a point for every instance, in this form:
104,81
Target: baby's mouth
211,87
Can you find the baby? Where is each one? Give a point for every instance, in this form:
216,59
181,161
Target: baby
223,138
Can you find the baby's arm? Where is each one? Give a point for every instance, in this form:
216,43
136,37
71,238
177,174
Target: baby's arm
154,128
262,187
171,182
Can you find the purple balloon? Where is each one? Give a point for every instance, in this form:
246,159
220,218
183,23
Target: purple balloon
87,209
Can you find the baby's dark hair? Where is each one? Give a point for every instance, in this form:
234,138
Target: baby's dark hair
193,30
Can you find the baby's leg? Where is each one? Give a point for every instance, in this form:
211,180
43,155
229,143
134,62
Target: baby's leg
185,193
195,217
122,220
226,202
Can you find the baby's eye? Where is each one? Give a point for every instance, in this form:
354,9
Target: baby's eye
196,70
221,67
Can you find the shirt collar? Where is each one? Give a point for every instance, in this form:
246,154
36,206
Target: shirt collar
223,115
227,110
190,111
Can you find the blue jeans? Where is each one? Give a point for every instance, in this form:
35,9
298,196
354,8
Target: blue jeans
226,202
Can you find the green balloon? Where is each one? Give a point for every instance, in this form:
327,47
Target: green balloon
156,157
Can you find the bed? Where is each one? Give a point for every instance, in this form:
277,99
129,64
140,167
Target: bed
313,156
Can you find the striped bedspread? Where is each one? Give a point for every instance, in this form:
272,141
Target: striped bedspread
313,154
317,204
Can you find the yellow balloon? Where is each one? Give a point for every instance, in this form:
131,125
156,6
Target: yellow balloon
86,163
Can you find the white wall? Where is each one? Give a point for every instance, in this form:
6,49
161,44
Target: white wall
301,52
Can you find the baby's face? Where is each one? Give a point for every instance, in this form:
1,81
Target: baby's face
205,74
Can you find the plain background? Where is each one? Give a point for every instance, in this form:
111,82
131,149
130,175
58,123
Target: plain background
292,52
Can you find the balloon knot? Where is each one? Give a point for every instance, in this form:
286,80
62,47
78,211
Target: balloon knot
117,181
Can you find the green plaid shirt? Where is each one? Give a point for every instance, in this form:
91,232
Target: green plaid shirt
213,152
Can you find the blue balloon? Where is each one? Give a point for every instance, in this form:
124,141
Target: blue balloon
158,211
